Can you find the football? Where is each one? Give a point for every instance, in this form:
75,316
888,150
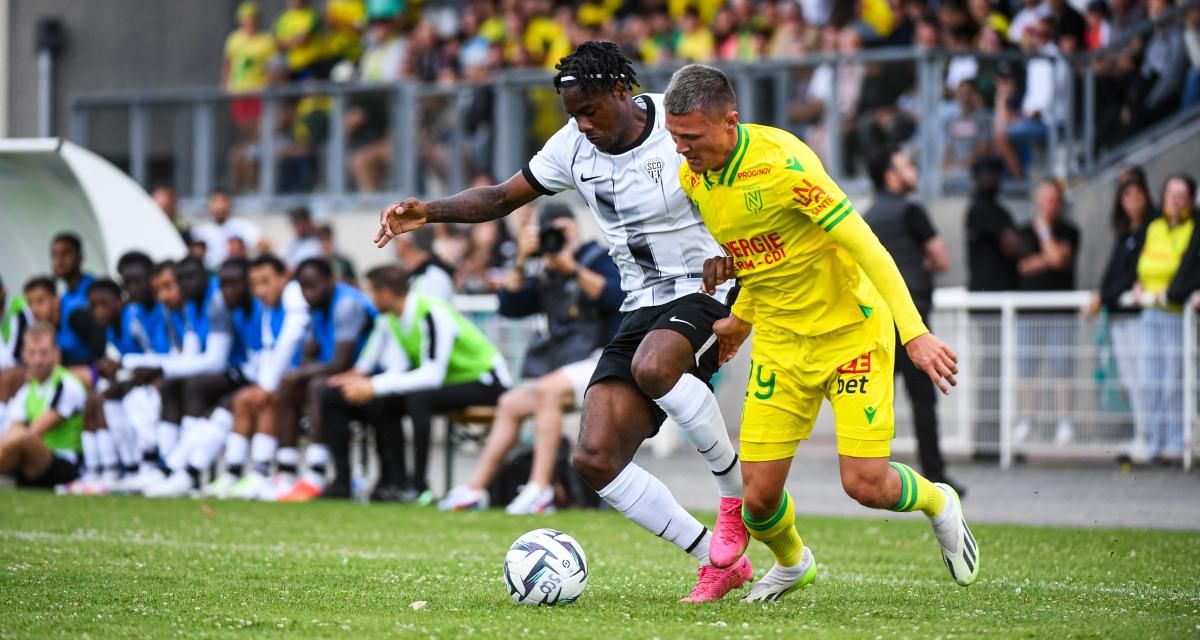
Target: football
545,567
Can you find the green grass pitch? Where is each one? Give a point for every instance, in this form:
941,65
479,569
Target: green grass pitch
136,568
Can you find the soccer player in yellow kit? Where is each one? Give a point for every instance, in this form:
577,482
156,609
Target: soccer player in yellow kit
822,294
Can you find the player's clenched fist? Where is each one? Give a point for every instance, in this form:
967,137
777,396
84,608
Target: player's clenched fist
716,271
400,218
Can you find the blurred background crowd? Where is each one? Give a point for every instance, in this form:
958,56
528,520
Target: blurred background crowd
994,101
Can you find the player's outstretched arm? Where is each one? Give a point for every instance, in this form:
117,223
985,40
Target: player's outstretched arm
927,351
473,205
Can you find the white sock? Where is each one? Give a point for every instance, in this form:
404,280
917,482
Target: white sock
693,406
142,405
316,455
91,454
288,457
123,433
189,438
106,449
166,437
647,501
262,450
187,427
209,438
222,419
236,447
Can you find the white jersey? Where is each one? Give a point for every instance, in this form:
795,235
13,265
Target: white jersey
655,236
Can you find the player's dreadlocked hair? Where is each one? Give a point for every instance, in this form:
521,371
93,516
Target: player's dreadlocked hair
595,67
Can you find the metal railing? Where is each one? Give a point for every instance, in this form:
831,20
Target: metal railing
435,145
1029,363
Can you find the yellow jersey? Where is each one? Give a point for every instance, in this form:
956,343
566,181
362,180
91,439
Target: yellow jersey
1162,253
546,41
293,23
347,20
248,56
805,259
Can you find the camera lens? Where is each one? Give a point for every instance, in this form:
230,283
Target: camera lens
551,240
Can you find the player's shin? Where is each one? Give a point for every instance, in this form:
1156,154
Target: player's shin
778,532
692,405
647,501
916,493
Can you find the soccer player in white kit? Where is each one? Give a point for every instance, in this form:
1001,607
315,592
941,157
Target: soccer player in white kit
617,153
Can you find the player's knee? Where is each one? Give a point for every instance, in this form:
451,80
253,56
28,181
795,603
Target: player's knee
865,491
596,468
761,505
654,375
511,403
242,402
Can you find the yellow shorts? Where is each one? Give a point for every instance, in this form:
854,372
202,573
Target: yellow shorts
790,374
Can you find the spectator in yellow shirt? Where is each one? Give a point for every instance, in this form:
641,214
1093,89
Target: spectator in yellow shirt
705,10
248,51
297,35
1161,367
345,20
879,17
696,42
546,41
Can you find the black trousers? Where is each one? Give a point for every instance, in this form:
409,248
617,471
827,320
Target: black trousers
385,414
421,407
923,397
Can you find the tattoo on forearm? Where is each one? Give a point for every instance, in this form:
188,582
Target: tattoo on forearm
473,205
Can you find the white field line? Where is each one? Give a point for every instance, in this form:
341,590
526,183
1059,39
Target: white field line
1141,591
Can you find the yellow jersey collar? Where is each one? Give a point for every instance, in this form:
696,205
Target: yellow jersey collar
729,173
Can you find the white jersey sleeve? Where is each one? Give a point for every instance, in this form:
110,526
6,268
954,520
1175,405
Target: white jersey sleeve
549,171
71,398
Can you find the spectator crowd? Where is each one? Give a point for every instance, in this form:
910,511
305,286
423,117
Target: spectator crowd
993,103
1152,272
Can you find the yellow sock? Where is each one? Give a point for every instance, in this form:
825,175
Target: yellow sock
917,493
779,533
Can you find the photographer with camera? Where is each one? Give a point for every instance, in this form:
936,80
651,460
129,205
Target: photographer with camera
577,285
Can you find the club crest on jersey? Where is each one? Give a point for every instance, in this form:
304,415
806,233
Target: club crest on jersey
654,167
807,193
754,200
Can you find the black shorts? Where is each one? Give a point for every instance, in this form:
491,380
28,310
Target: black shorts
691,316
60,471
209,391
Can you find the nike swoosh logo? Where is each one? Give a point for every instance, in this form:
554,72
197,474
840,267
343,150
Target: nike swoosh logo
586,179
674,319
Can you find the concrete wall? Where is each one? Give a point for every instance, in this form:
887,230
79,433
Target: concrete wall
4,57
112,45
